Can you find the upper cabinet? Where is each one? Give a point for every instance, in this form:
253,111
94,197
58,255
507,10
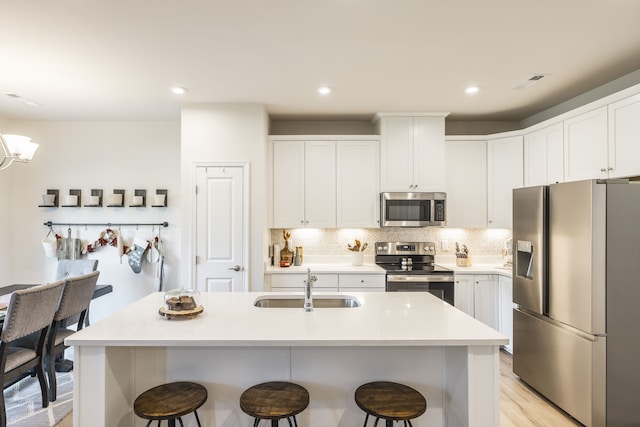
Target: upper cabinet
466,183
325,183
544,156
411,153
358,198
585,146
624,134
504,173
304,184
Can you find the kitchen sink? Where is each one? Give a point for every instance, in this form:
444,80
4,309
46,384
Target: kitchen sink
297,301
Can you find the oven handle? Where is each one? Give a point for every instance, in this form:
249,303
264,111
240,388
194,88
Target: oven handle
421,278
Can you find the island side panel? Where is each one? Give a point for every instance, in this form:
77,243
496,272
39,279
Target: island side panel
472,384
332,374
102,386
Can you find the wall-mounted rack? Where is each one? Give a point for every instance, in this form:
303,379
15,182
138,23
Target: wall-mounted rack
142,202
56,199
77,195
95,203
108,224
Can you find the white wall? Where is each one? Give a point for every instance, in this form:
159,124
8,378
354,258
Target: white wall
233,133
5,211
86,155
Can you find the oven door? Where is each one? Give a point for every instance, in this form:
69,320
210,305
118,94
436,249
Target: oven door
441,285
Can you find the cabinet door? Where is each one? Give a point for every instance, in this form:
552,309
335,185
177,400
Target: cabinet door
362,282
428,154
320,184
624,131
543,156
358,170
505,285
585,146
288,184
464,294
292,282
486,300
466,184
396,151
505,172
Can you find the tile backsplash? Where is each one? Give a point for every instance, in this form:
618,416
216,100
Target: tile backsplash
480,241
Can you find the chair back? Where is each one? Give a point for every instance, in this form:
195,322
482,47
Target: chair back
75,267
31,310
76,296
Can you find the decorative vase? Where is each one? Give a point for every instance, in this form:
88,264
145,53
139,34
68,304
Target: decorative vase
356,258
286,255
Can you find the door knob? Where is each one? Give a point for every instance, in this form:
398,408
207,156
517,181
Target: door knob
234,268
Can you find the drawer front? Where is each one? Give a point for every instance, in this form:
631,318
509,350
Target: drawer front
361,281
296,281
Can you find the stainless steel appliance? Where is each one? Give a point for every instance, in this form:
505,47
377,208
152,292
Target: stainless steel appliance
410,267
413,209
575,285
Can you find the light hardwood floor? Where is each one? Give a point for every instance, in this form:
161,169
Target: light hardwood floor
520,405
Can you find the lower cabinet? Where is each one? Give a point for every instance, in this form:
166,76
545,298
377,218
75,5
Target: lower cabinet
487,298
329,282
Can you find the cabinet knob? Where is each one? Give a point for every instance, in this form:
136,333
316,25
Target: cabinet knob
609,168
603,169
362,281
301,222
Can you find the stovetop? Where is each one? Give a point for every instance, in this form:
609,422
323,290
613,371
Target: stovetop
408,258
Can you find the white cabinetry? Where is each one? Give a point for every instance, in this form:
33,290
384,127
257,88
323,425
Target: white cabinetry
304,184
328,282
505,172
358,192
464,293
361,282
411,153
291,282
505,285
486,300
624,134
466,183
585,146
544,156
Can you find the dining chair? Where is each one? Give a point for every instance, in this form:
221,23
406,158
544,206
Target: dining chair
75,267
75,300
30,311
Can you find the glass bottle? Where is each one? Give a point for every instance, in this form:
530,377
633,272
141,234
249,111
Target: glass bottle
286,255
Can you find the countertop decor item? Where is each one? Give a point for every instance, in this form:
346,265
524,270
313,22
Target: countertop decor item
463,258
181,304
286,254
356,252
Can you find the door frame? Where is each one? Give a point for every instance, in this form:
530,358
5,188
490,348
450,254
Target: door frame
192,200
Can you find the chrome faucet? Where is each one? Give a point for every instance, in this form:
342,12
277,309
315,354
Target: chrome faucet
308,286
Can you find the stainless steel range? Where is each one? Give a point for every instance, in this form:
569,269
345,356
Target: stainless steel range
411,268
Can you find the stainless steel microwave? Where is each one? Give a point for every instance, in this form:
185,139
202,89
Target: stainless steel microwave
413,209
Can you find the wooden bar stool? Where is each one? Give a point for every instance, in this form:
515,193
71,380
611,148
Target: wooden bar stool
274,401
170,402
390,402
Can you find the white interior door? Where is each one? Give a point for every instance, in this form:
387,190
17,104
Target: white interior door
220,236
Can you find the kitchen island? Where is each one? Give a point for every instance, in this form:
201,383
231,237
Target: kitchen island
412,338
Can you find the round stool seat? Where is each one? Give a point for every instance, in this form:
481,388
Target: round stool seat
274,400
390,401
170,401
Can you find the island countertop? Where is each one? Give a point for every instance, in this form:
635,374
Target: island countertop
231,320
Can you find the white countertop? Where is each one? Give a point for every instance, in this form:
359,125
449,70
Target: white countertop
230,319
338,268
480,269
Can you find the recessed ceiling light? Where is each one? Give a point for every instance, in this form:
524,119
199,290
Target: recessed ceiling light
179,90
324,90
470,90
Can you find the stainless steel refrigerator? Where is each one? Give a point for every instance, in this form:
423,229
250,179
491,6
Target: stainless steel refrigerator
576,286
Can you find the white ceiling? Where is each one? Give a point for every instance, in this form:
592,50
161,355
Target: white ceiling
116,59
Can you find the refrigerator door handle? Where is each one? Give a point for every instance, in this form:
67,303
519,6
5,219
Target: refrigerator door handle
530,266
